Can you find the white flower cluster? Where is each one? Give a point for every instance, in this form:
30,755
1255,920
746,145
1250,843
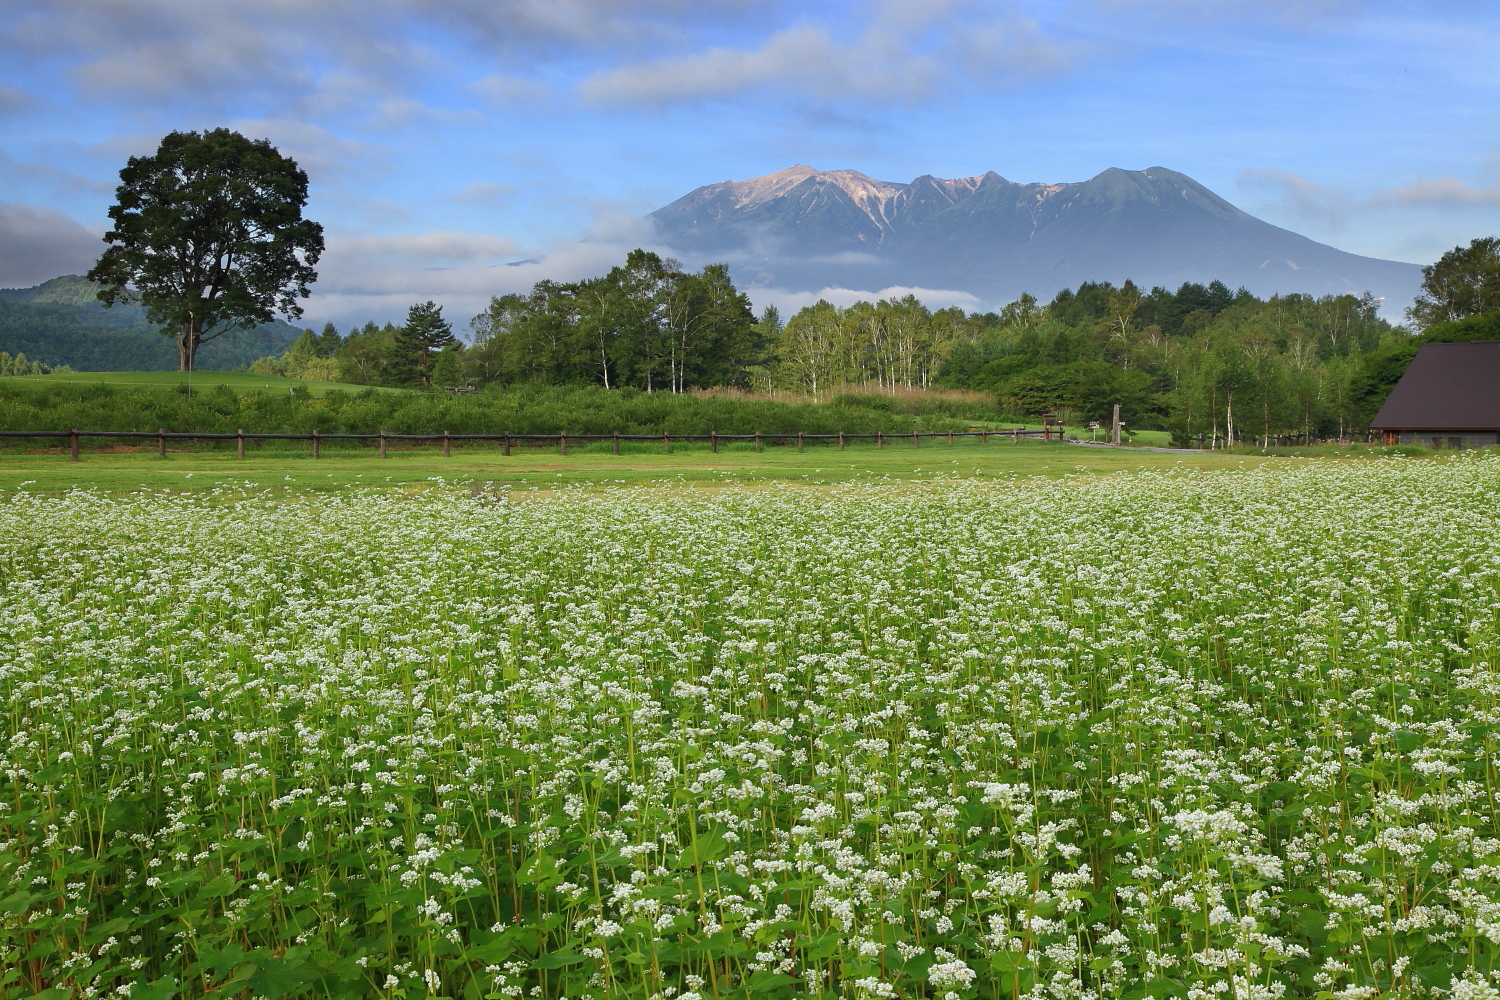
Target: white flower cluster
1204,734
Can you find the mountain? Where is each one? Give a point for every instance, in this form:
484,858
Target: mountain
61,322
804,230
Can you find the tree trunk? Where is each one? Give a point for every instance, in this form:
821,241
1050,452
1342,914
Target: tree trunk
187,346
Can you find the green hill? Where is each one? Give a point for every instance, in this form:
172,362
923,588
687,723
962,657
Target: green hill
60,322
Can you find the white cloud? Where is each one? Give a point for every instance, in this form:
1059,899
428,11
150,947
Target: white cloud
38,243
436,248
907,52
13,99
394,113
800,59
1300,197
188,52
481,193
364,277
1444,191
317,150
1306,199
511,91
50,175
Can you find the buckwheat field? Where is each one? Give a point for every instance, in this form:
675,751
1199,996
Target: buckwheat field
1204,735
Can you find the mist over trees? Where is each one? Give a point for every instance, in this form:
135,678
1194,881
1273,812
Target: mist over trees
1204,361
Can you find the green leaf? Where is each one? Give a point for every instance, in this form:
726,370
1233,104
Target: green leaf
559,959
820,947
765,981
1280,790
222,961
492,953
542,867
163,989
1163,987
99,932
1407,741
276,977
709,846
223,884
16,902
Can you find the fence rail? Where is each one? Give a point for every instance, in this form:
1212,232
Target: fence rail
506,440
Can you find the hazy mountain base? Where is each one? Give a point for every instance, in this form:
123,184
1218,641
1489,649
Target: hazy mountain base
60,322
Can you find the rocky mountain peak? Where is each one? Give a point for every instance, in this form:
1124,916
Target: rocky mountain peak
804,229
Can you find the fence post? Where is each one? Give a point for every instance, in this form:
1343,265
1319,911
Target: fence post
445,444
913,439
984,435
382,442
841,440
506,446
950,439
239,443
73,445
617,442
879,439
562,443
666,445
161,442
757,442
713,442
315,444
799,440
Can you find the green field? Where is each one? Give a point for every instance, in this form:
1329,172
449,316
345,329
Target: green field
238,381
291,468
1171,733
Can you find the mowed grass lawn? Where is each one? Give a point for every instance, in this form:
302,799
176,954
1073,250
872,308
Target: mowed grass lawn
293,468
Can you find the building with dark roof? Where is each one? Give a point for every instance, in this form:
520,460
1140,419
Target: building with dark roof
1448,398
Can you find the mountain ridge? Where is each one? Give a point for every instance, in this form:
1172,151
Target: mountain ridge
802,230
62,322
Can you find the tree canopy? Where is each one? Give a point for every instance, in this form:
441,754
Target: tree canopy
209,236
414,348
1465,281
646,324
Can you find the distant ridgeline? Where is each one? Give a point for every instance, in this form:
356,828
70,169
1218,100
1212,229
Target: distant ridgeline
60,322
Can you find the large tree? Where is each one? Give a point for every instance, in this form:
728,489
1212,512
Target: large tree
1465,281
209,236
415,346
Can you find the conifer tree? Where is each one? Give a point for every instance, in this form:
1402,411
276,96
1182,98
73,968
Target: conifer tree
415,345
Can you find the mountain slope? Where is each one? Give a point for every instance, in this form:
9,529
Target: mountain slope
802,229
60,322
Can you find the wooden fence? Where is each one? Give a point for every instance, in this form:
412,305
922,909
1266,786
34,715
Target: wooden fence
507,440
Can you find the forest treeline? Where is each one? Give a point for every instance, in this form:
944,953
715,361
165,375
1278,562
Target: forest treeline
1202,360
61,324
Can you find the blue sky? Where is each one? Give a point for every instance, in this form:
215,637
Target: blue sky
444,137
